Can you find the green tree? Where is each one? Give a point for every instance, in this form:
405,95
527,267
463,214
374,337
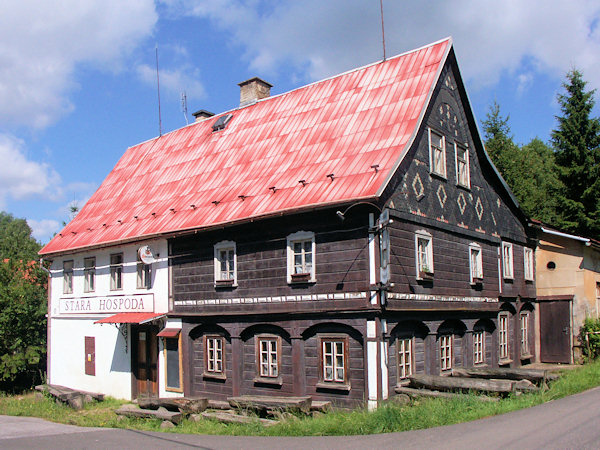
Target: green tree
23,287
498,139
576,142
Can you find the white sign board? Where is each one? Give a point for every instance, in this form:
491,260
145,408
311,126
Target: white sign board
109,304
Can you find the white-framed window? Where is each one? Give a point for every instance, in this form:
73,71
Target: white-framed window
463,175
116,271
334,352
475,263
89,274
437,153
143,275
405,357
446,356
503,336
68,277
301,250
423,253
478,347
225,263
507,260
524,325
268,356
214,361
528,263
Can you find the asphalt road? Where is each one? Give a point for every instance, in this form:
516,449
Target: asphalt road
572,422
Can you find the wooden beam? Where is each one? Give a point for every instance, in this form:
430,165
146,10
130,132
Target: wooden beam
264,403
436,382
508,373
182,405
161,413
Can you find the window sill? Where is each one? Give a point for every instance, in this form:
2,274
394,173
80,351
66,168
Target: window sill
333,386
504,362
214,376
425,276
301,278
438,175
276,381
526,356
462,186
225,284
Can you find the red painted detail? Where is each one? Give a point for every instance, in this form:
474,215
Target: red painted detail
342,125
131,317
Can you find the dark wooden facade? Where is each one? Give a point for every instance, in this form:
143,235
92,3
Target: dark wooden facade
348,301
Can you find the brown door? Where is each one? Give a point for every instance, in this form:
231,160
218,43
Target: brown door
555,331
144,360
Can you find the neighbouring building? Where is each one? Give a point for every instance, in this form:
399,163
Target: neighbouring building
568,290
329,241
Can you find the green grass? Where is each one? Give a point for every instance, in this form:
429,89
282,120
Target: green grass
388,418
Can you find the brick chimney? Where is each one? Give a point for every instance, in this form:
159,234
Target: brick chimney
202,114
253,89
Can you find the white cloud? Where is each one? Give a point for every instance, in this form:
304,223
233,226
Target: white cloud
174,81
323,38
43,229
42,42
22,178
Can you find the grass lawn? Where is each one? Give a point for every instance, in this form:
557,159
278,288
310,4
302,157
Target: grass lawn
388,418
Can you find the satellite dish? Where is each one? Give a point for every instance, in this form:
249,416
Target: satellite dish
146,254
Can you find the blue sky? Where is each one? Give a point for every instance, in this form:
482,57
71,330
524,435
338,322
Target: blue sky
78,86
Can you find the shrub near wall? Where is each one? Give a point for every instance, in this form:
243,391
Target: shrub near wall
589,336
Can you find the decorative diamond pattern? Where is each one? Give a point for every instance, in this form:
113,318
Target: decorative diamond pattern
462,203
417,186
441,195
494,219
479,208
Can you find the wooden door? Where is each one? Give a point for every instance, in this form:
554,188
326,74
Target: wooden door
555,331
144,361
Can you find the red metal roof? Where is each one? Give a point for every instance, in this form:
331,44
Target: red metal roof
169,332
195,178
131,317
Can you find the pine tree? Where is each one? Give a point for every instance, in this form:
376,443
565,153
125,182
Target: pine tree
576,141
498,139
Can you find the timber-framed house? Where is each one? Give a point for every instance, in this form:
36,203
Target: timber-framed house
329,241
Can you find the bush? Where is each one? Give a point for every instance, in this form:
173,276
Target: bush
589,336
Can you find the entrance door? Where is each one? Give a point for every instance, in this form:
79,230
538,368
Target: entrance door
144,360
555,331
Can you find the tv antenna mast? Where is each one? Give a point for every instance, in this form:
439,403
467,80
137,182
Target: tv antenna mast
382,28
184,107
158,91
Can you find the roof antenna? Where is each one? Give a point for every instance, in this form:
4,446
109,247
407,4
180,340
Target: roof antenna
158,90
382,28
184,107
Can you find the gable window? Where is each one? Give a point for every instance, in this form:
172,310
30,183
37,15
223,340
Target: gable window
423,254
144,275
446,352
301,256
334,362
225,264
475,263
116,271
89,274
68,277
507,260
524,322
437,153
528,263
405,357
268,356
214,359
503,336
478,347
463,176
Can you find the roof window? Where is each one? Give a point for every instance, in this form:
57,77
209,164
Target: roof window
221,122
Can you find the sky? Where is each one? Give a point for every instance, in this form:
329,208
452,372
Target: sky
78,77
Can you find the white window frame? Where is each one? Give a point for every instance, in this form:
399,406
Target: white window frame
524,332
528,267
507,260
269,367
446,351
503,334
479,347
143,275
405,356
335,355
433,167
116,272
475,263
220,247
459,182
214,347
89,274
68,268
301,237
420,264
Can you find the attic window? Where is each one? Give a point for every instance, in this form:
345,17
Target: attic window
221,122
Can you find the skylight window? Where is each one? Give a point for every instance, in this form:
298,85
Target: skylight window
222,122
